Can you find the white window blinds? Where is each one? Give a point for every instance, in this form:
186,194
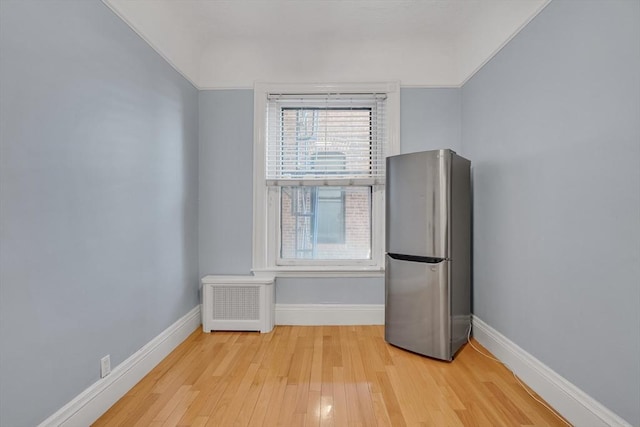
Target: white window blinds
325,139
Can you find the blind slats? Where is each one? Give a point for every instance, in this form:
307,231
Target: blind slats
325,139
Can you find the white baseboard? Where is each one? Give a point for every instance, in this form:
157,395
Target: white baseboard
89,405
329,314
575,405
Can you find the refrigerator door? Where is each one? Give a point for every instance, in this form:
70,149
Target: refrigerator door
417,311
417,218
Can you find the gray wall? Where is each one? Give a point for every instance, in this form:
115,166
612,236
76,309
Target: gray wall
226,177
98,200
430,119
552,124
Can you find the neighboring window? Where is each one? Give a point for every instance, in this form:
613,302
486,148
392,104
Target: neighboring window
331,216
319,198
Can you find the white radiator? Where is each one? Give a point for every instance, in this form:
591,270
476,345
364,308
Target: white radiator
238,303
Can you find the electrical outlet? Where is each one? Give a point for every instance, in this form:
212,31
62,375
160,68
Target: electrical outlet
105,366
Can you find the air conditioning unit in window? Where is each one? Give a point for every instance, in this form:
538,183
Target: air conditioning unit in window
238,303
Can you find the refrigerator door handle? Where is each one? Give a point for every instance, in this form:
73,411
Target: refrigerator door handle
415,258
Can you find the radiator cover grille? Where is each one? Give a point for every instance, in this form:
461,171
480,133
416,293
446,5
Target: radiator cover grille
235,303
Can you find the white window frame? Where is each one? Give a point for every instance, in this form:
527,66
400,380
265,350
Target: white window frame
266,203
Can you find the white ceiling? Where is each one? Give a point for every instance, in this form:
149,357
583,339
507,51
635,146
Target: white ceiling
233,43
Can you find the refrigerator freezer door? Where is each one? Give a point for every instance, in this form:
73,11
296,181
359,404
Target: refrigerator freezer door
417,312
418,187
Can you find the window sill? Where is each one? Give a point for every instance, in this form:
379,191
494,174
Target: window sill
325,271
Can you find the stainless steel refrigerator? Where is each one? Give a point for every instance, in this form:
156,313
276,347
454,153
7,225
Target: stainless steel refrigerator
428,259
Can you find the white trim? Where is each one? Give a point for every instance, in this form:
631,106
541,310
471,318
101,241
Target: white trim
206,88
427,86
89,405
326,271
574,404
402,86
354,87
265,204
504,43
329,314
151,44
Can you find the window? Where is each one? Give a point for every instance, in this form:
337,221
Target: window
319,161
314,223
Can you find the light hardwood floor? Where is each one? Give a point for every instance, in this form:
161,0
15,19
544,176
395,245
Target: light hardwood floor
322,375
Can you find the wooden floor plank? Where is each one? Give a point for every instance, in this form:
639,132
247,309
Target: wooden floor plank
275,403
322,376
340,412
